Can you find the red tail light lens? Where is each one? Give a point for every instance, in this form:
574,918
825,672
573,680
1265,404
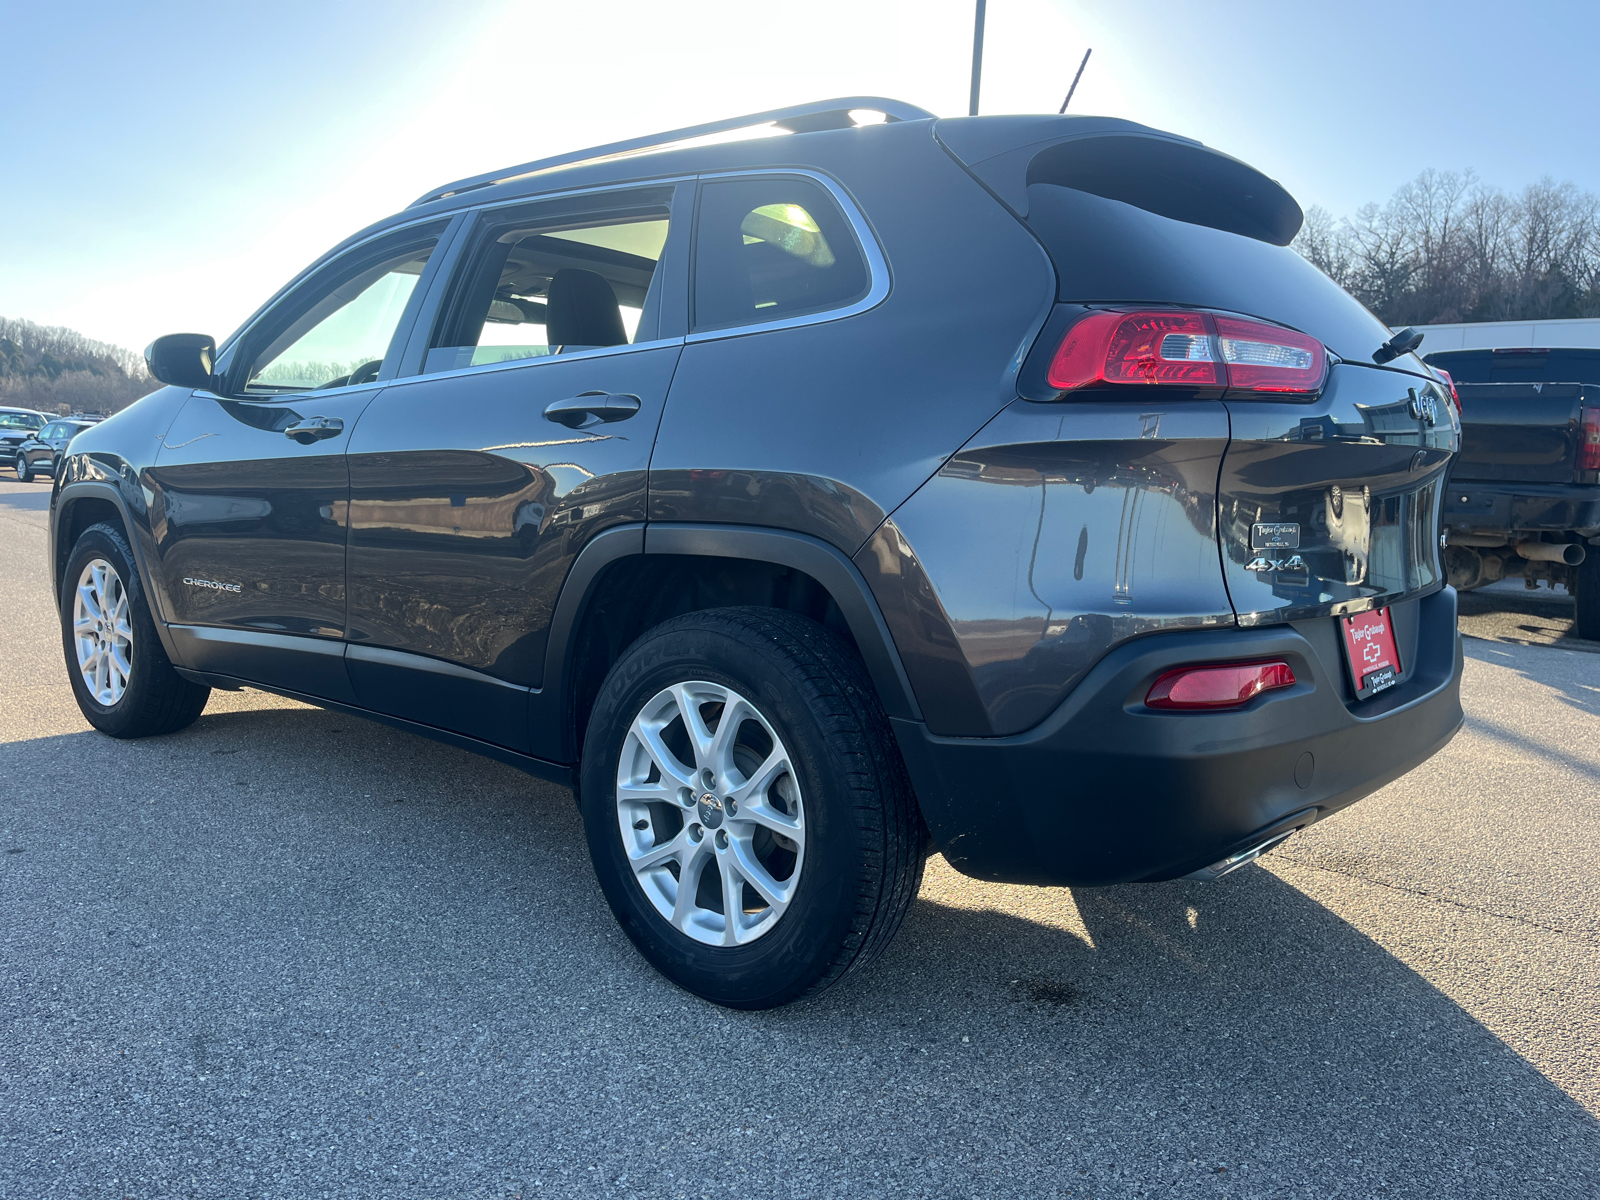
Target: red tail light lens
1218,686
1449,382
1589,440
1186,349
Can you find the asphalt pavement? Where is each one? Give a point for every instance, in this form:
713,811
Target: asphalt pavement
290,953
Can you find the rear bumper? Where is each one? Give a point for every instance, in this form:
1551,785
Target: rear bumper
1487,508
1107,791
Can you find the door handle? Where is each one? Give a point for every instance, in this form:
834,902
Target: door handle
576,411
314,429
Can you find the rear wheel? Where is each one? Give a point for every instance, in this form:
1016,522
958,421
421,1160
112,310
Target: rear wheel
1586,596
121,677
746,808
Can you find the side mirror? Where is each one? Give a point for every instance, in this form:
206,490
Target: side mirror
182,359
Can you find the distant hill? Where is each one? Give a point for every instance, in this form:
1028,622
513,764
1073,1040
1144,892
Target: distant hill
58,370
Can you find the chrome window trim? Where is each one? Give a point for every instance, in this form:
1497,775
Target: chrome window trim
535,361
866,238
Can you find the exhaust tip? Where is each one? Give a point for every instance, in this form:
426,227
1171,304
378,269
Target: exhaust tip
1234,861
1569,553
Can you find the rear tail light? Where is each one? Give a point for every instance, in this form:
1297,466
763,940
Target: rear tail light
1228,685
1186,349
1589,440
1449,382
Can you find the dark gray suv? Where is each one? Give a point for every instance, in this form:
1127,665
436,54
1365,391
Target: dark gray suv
1002,485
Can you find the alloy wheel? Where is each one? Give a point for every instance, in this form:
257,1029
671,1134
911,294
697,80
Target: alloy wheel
710,813
102,632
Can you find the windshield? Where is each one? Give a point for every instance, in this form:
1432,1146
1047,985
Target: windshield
16,420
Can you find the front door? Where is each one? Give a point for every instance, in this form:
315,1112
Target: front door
250,486
475,484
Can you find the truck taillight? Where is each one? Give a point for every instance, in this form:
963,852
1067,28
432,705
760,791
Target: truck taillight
1213,686
1589,440
1450,383
1185,348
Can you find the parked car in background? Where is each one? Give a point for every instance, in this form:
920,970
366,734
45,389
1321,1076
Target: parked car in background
1007,479
41,451
16,426
1524,495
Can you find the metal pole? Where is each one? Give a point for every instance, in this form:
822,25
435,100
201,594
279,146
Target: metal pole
977,58
1075,79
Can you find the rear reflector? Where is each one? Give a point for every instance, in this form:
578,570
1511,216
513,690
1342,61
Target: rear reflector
1589,440
1212,686
1186,349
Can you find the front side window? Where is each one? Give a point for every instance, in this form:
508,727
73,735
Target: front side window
340,328
768,249
543,284
53,431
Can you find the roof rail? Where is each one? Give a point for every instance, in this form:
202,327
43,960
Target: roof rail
799,118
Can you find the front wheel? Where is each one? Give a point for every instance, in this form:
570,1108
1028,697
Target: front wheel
746,808
1586,596
24,472
121,677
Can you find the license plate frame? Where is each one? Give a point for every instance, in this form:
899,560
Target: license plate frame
1370,651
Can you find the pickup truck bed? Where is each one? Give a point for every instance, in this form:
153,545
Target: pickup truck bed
1524,493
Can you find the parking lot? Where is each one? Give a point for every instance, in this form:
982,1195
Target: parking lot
291,953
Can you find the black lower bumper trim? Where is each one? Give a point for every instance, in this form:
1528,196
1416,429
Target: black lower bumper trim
1107,791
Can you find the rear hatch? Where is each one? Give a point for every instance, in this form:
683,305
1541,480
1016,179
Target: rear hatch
1329,488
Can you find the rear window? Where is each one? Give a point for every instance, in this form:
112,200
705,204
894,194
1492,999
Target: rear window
769,249
1517,366
1107,251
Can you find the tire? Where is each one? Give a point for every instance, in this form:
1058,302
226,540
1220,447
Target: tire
152,698
24,472
854,845
1586,596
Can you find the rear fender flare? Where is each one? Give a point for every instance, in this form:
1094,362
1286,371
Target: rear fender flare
824,563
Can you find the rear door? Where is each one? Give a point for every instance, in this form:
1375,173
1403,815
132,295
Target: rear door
250,486
545,362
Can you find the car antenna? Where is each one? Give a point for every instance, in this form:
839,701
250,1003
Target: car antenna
977,57
1075,79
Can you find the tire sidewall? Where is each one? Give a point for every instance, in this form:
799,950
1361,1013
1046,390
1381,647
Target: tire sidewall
101,541
785,961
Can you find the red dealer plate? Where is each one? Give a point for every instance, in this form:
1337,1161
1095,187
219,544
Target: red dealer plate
1369,644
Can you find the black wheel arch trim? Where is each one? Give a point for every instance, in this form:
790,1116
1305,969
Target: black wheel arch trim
824,563
60,504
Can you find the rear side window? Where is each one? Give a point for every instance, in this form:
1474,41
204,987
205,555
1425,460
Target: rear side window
1108,251
768,249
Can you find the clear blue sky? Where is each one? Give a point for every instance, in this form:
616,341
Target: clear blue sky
166,166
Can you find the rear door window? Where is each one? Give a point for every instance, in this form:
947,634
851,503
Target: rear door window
556,278
770,249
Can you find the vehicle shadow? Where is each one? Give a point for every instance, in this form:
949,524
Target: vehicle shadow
298,884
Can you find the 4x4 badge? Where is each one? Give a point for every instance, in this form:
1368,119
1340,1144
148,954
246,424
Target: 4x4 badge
1262,563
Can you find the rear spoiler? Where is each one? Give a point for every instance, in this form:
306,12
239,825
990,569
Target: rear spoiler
1159,172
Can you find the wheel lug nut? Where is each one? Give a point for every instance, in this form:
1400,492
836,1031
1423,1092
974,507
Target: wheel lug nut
722,839
733,808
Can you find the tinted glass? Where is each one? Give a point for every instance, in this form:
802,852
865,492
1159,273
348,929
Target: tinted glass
343,329
1108,251
530,289
1488,366
766,249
